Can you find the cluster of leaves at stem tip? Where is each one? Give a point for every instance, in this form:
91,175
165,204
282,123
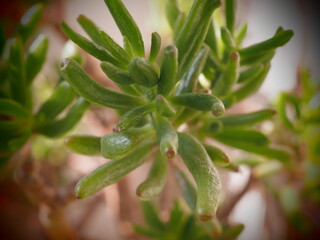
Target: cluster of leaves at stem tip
182,225
301,133
21,61
164,109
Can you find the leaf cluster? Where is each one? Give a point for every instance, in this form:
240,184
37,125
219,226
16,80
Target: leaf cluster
165,109
299,122
21,61
182,225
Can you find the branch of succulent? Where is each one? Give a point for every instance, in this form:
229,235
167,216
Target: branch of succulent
155,103
19,66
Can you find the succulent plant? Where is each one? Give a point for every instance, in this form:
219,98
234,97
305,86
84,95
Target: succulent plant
164,109
19,119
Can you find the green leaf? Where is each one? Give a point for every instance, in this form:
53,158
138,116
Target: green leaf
56,103
29,21
126,25
17,73
192,53
250,73
116,145
148,93
227,39
82,144
153,185
259,58
155,46
90,28
178,25
190,78
193,32
142,72
241,34
249,87
127,47
231,232
166,137
172,12
186,115
206,176
114,48
211,39
230,8
132,117
243,120
229,77
212,69
212,125
218,157
103,39
176,218
11,128
72,72
13,109
90,47
36,57
111,172
192,230
16,143
116,74
201,102
57,128
248,136
265,151
164,108
279,39
168,71
189,192
308,90
130,89
285,100
151,216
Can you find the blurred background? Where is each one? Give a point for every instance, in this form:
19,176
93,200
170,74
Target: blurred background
39,203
